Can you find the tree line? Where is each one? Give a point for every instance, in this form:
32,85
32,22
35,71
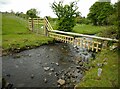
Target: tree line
100,14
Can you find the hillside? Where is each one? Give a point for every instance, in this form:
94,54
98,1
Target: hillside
16,36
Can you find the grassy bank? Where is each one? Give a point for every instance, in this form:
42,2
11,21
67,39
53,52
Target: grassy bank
15,35
109,76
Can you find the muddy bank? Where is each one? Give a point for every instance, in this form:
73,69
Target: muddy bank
45,66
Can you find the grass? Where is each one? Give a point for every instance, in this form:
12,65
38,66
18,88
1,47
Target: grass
15,34
109,75
87,29
84,29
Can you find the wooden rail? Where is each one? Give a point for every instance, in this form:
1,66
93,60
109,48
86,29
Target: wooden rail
82,35
33,23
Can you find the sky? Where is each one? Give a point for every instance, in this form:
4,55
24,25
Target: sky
43,6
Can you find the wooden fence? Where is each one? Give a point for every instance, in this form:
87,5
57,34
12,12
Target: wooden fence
36,25
75,38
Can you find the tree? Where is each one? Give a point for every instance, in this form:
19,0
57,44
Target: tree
99,12
32,13
113,19
66,15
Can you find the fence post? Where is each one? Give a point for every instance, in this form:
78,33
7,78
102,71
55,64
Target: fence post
45,27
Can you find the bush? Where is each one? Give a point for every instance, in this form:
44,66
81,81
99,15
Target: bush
110,32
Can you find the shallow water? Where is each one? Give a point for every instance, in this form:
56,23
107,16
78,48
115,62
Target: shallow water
26,69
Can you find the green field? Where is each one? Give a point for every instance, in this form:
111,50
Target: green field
109,75
84,29
87,29
15,34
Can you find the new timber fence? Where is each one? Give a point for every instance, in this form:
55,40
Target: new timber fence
93,43
36,25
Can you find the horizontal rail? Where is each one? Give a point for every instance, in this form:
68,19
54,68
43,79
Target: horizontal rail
88,36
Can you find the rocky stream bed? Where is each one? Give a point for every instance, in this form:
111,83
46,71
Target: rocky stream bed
53,65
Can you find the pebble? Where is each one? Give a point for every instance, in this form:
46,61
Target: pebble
51,49
40,62
52,69
32,76
47,56
45,80
45,63
52,62
56,74
63,77
57,64
39,55
50,74
78,67
16,66
58,85
78,71
29,55
46,68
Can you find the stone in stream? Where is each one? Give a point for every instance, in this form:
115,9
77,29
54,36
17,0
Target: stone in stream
52,62
71,66
73,76
45,80
46,68
40,62
78,67
61,81
78,71
57,64
62,76
56,74
16,66
29,55
51,50
45,63
58,85
32,76
47,56
52,69
49,74
8,75
38,55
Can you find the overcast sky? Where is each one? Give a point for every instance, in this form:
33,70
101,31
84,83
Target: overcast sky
43,6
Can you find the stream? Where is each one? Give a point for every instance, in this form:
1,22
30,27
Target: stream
45,65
